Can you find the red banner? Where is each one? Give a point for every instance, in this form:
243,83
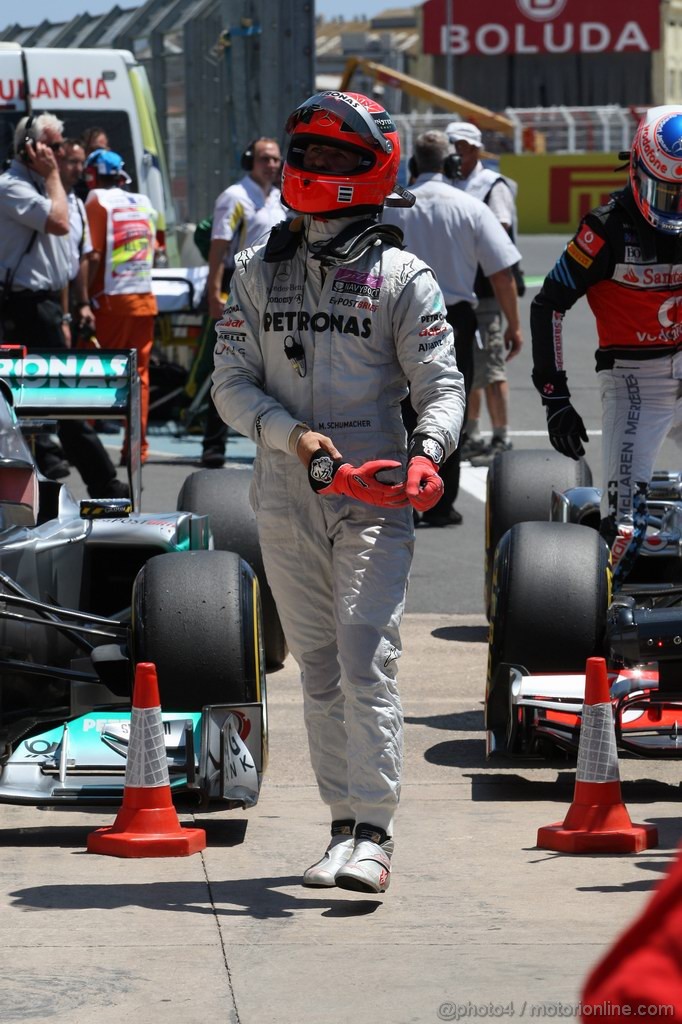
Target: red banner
492,27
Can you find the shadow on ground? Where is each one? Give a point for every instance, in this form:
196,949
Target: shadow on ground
220,832
462,634
456,721
260,898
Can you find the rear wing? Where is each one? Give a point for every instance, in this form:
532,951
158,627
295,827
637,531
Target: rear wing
79,384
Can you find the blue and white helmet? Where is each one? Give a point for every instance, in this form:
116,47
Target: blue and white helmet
656,168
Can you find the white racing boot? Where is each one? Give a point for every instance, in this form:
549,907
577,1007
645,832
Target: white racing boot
368,869
323,873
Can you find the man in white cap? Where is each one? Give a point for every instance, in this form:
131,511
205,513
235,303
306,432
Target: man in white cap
457,234
489,363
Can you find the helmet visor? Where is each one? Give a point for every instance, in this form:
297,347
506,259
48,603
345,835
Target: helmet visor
349,111
339,160
663,196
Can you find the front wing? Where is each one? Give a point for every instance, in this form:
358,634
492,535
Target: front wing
534,713
217,754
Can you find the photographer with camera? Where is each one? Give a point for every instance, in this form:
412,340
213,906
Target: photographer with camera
35,268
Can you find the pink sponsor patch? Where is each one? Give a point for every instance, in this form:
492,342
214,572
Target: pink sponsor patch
357,277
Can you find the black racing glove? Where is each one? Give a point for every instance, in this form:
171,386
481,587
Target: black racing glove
565,428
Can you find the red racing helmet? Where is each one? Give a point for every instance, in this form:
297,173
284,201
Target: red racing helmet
347,121
656,168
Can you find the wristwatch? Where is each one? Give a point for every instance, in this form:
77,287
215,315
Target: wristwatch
67,318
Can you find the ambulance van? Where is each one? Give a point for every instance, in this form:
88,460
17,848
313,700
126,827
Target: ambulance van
93,88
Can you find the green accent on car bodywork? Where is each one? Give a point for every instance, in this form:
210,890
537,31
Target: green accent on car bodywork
73,379
85,743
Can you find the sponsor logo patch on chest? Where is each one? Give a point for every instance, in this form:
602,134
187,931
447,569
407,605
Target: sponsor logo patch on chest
356,282
649,275
301,320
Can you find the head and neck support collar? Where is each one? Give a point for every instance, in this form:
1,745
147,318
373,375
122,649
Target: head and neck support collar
350,243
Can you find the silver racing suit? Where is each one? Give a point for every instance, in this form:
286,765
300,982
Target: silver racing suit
333,347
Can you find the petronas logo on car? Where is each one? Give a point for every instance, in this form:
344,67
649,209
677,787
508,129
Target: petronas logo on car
73,370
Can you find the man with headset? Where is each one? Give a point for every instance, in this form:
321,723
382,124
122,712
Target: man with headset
244,213
35,267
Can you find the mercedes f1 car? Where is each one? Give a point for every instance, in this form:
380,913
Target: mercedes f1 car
552,604
89,589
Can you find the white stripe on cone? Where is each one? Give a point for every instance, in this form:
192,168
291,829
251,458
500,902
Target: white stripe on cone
147,763
597,753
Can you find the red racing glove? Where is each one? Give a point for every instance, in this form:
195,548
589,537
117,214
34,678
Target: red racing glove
334,476
423,485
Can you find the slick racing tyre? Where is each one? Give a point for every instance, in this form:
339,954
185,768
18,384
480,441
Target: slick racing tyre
550,595
197,617
519,489
223,495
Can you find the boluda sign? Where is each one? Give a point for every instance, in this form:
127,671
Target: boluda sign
493,27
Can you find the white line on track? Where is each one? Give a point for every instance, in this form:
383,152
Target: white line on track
473,478
543,433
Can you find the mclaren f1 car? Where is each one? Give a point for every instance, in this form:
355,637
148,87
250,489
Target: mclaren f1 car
89,589
552,604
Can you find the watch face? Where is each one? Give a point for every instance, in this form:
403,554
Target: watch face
322,469
434,450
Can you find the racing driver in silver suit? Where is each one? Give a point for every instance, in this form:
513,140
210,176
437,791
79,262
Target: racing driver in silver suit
626,257
323,327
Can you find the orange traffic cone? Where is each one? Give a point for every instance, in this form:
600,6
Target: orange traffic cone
597,820
147,824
